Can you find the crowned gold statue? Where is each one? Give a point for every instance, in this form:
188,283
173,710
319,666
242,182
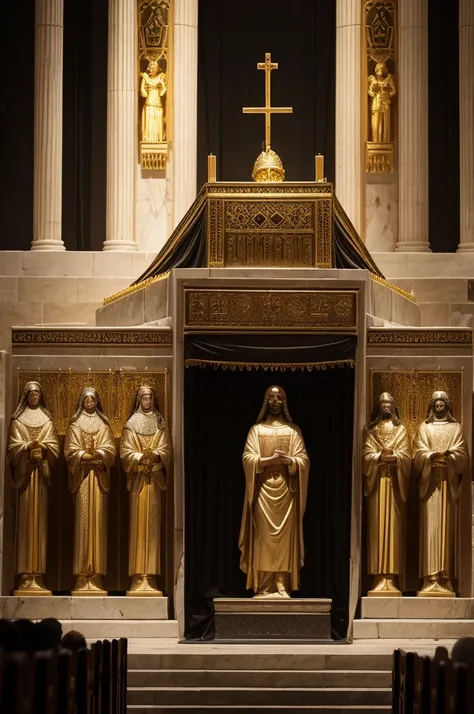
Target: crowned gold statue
381,88
153,88
33,448
146,452
386,465
90,452
276,469
440,456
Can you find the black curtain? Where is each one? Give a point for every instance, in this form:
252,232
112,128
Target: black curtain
443,105
233,37
84,124
219,408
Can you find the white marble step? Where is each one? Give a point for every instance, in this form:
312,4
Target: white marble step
109,629
410,629
85,608
408,608
259,678
281,696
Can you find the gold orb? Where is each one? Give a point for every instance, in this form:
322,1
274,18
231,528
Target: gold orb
268,167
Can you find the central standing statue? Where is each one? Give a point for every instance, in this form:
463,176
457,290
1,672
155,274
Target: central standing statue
90,452
276,467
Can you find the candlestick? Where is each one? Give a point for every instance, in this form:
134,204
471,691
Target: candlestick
319,167
211,169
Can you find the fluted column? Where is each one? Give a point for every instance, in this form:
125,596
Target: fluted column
413,127
122,149
348,115
185,106
466,124
48,136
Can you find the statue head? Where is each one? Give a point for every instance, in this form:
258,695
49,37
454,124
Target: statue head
440,408
385,408
381,70
146,402
32,397
89,402
153,67
274,403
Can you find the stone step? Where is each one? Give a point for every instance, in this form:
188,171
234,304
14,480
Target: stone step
356,679
209,659
217,696
84,608
410,629
453,314
110,629
320,709
416,608
238,709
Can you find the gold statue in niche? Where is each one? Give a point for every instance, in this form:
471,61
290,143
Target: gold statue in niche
381,88
153,89
33,448
276,467
386,459
90,452
146,452
440,456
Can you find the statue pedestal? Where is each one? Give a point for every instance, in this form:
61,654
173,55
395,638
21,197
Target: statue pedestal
272,619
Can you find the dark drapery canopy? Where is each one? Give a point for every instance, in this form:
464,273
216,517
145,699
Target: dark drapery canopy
220,406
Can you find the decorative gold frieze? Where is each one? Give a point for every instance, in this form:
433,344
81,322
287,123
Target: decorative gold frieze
412,392
117,391
154,32
419,337
319,310
113,337
379,18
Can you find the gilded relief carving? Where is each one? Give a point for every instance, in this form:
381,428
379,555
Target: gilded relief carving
412,392
117,390
271,309
380,22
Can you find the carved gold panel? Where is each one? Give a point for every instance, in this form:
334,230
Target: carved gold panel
319,310
270,233
117,391
112,337
412,393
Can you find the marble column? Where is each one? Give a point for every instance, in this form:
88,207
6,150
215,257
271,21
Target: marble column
466,124
122,138
185,106
413,126
48,131
349,169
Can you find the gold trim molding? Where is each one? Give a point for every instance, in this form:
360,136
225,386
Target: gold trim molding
455,338
117,338
270,366
313,310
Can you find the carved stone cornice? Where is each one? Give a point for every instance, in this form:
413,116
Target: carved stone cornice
86,337
395,336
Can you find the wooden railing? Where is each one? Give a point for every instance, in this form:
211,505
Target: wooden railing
421,685
92,681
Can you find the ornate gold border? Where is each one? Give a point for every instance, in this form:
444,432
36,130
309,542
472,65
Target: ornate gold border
455,338
395,288
271,310
323,229
117,338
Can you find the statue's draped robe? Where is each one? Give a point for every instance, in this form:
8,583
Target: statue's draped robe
32,481
386,488
90,486
439,490
145,485
271,534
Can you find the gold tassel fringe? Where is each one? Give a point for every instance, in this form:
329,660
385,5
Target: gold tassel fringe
270,366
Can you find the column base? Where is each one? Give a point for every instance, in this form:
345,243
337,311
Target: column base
120,245
416,246
47,244
465,247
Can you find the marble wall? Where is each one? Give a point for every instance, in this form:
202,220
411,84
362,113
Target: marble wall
153,212
381,215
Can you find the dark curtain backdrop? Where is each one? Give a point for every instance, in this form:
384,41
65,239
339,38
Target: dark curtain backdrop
443,125
84,124
233,37
220,406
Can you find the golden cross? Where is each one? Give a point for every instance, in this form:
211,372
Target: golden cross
268,110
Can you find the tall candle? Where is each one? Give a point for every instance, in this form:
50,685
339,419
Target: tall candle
319,167
211,168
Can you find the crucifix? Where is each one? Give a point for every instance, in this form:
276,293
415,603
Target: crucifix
268,110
